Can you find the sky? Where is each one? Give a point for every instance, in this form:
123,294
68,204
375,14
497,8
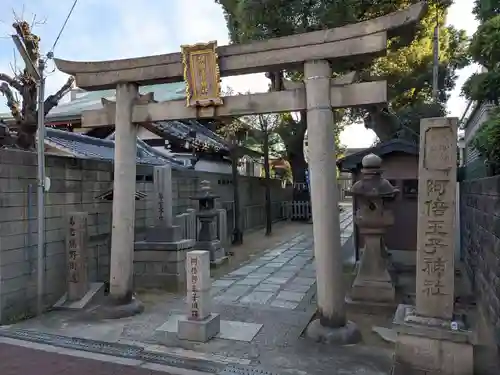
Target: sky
114,29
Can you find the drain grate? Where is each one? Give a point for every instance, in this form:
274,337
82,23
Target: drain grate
121,350
190,364
244,370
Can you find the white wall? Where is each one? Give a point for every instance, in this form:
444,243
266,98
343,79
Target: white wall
145,134
203,165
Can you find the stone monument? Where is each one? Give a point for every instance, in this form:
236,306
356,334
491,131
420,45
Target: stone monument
80,292
207,238
200,324
373,282
159,259
431,339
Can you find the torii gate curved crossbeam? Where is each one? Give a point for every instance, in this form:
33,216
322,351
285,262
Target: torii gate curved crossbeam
361,39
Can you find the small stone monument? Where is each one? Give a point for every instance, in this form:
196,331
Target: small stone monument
431,338
207,238
159,258
200,324
80,292
373,282
163,230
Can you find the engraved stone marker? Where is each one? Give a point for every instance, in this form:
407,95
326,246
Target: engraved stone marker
199,324
198,284
76,243
162,182
436,214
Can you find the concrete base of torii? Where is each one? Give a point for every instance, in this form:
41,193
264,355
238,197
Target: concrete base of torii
345,335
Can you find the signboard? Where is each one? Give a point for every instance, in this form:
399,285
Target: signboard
306,148
201,74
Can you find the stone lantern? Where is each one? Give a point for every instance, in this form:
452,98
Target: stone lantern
206,214
373,282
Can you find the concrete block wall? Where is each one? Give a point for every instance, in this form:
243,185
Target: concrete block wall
480,243
76,185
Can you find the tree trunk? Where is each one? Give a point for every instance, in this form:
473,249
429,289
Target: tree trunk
267,179
237,231
26,137
299,166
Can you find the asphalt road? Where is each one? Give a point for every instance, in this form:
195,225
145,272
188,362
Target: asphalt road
18,360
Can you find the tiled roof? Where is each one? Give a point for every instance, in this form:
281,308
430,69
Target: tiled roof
92,100
164,92
93,148
353,161
180,130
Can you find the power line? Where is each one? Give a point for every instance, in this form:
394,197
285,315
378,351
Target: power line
62,29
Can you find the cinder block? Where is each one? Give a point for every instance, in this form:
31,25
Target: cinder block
17,284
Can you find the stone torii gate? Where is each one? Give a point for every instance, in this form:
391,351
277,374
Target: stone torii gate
201,66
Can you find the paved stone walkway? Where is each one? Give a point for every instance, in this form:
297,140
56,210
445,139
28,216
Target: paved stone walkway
282,277
265,304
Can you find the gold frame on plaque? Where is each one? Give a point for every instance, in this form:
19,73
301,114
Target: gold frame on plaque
201,71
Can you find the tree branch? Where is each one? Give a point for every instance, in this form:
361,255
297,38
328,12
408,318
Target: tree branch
53,100
11,81
12,103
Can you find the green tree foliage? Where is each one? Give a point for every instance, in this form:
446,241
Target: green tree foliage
485,50
487,141
408,70
486,9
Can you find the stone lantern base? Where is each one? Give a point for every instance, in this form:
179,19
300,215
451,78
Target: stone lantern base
373,290
217,252
373,282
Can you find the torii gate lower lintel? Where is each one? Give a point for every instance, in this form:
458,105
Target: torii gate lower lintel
316,51
342,96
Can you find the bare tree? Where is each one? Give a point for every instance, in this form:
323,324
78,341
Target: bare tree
264,132
20,90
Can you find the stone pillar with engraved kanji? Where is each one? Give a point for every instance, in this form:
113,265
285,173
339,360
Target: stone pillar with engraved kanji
431,339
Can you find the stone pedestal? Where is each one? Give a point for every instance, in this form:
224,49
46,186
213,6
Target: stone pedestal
431,346
159,259
199,324
80,292
161,264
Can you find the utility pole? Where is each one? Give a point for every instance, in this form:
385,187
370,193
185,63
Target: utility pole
237,235
41,189
37,73
435,67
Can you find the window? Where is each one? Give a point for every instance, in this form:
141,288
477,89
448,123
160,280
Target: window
410,189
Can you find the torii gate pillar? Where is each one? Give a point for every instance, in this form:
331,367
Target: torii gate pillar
331,326
122,232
